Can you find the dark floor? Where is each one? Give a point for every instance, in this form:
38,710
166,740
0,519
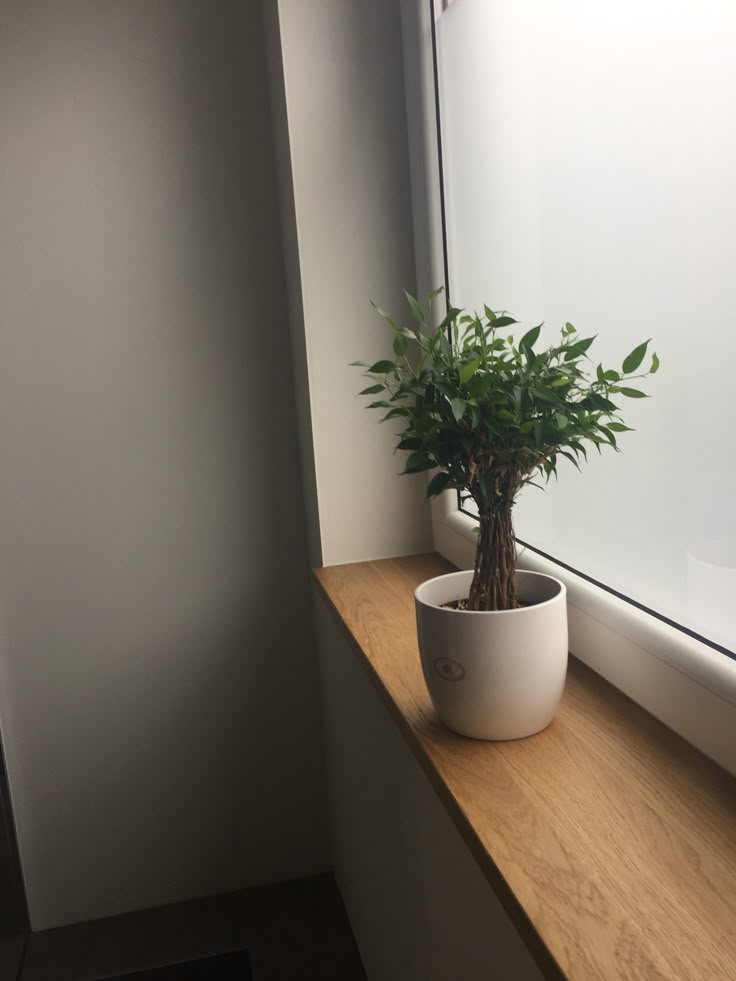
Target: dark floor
294,931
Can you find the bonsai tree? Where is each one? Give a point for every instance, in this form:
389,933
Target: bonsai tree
490,413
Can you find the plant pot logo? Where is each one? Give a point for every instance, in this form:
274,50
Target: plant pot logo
448,669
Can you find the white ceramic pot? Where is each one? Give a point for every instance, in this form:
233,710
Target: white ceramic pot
494,675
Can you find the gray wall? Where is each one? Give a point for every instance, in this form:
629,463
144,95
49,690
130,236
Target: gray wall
158,697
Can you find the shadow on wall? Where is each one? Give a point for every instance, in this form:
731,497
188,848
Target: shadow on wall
158,686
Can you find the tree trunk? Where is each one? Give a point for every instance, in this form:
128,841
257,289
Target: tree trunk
494,580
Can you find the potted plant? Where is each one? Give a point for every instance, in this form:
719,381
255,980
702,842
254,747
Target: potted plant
490,413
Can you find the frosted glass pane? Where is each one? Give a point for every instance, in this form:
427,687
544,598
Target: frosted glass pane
590,176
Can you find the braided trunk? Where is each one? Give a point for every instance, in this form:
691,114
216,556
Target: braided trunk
494,579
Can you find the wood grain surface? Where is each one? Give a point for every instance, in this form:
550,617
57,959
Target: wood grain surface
610,841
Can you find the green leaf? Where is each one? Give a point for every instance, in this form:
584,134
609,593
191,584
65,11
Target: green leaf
600,402
529,339
409,443
382,368
632,362
416,308
358,364
611,376
480,385
655,364
545,396
418,462
609,434
578,447
382,313
618,427
630,393
504,321
400,345
485,482
568,328
468,370
578,348
372,390
570,457
561,420
438,483
458,408
490,315
452,314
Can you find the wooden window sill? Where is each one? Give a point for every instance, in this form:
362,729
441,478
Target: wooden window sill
609,840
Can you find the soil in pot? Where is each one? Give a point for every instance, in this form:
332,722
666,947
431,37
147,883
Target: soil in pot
462,604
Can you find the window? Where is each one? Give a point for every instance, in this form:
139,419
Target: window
587,155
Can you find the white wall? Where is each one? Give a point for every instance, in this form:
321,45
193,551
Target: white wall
348,211
157,684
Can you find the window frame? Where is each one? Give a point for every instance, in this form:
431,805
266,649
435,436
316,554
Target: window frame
684,682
